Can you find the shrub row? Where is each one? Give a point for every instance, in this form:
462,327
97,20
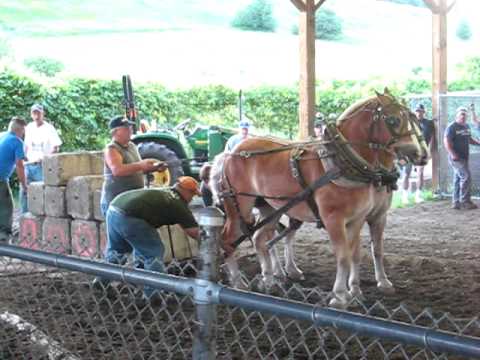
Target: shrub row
80,108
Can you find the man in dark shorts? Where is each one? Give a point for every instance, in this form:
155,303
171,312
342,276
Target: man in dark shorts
133,218
456,139
428,131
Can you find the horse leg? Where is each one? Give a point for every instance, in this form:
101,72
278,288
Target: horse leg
278,271
268,263
353,231
335,225
291,268
376,233
260,241
231,232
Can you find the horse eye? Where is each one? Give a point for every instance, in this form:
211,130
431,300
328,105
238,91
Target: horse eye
392,121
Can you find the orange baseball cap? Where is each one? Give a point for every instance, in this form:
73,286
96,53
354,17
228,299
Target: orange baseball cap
189,183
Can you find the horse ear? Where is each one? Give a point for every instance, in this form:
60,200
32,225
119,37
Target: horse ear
387,92
382,98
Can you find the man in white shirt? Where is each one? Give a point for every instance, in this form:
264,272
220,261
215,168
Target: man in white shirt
41,138
238,138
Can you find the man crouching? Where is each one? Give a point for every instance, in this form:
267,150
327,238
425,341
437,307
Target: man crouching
133,218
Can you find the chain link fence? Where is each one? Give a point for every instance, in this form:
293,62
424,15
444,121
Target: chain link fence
448,105
51,310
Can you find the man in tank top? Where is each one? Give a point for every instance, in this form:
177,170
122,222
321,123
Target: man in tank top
123,168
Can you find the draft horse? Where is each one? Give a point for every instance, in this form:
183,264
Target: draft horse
343,181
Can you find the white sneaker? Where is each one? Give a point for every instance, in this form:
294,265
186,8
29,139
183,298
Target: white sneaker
418,197
405,197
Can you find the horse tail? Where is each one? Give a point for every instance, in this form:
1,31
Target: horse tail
216,177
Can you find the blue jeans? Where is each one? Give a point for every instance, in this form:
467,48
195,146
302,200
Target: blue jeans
33,172
6,211
462,181
125,233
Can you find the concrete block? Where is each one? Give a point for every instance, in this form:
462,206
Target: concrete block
102,239
97,210
56,235
30,231
85,238
36,198
177,244
55,201
61,167
79,195
96,162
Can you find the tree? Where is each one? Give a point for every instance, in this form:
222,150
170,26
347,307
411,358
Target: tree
328,25
258,16
44,66
463,30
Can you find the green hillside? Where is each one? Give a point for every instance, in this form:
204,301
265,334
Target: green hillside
190,42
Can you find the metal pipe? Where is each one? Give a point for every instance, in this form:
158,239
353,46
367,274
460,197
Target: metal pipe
433,340
206,292
170,283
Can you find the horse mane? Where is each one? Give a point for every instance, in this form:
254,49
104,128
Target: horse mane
354,108
379,98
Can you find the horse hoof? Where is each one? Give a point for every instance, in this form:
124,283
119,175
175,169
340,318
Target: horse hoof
296,275
355,292
386,288
266,285
240,284
338,303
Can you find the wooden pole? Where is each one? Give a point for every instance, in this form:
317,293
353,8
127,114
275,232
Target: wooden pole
439,74
307,70
306,109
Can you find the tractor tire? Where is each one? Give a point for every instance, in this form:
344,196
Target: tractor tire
153,150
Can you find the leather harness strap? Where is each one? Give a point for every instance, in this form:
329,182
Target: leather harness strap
295,157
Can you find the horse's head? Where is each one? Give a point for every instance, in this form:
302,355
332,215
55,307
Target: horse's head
399,129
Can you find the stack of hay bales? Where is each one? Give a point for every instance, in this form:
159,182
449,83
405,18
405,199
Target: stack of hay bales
64,211
63,216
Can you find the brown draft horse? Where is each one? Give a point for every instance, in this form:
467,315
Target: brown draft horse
372,133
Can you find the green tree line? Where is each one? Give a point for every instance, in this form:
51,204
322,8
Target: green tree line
81,108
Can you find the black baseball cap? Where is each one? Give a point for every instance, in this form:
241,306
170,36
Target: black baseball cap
119,121
420,107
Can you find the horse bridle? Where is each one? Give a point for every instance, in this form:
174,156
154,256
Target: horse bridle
391,122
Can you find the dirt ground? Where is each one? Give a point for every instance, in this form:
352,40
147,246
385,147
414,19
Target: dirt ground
432,256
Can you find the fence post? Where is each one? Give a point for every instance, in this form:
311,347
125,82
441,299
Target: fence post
211,222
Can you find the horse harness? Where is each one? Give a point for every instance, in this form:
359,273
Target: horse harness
343,166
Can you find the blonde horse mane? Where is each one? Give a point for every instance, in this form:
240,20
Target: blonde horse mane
384,99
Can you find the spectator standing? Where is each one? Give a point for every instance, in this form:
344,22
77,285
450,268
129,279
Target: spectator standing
204,176
236,139
456,139
123,168
41,138
428,131
134,216
11,157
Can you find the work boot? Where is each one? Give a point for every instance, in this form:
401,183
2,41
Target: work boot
468,205
456,206
418,197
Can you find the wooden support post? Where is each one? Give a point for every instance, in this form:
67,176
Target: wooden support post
307,10
439,74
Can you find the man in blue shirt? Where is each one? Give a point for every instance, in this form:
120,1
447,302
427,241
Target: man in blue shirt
456,140
11,157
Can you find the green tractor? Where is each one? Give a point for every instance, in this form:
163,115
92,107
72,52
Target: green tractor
185,148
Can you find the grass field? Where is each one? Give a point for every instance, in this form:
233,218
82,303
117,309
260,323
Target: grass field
183,44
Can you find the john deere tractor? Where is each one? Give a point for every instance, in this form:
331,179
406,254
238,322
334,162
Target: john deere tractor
185,148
